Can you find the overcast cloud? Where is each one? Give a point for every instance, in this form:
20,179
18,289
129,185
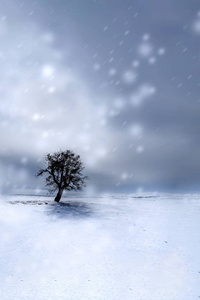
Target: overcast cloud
115,81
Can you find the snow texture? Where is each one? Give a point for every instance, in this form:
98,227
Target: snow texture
105,247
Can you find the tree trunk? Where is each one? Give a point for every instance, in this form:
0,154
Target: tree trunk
59,195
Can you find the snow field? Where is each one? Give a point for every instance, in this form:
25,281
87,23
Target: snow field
105,247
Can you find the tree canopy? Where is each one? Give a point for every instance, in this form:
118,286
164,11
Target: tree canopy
64,172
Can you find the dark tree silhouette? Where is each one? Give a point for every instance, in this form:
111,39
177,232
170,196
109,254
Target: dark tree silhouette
64,172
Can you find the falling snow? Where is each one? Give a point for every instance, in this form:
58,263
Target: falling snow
129,77
196,25
145,49
96,78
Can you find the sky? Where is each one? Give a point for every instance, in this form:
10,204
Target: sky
116,81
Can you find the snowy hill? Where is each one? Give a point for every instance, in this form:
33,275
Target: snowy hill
100,247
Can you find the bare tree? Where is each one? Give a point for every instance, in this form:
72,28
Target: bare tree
64,172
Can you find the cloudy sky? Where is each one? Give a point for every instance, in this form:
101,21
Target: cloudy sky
117,81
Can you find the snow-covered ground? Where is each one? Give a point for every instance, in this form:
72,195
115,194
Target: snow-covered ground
103,247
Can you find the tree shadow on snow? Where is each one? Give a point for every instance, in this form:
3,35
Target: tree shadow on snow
75,210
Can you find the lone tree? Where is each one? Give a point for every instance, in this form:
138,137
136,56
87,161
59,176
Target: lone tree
64,172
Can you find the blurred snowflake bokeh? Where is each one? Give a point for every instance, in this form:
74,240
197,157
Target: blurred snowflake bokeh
117,82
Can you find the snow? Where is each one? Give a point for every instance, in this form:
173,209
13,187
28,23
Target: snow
196,26
145,49
135,63
48,71
129,77
152,60
136,130
161,51
140,149
97,67
112,72
146,37
143,92
100,247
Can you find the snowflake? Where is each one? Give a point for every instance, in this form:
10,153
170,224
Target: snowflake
152,60
146,37
161,51
139,149
124,176
51,90
129,77
196,26
112,72
145,49
36,117
135,63
48,71
96,67
119,103
144,92
127,32
136,130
